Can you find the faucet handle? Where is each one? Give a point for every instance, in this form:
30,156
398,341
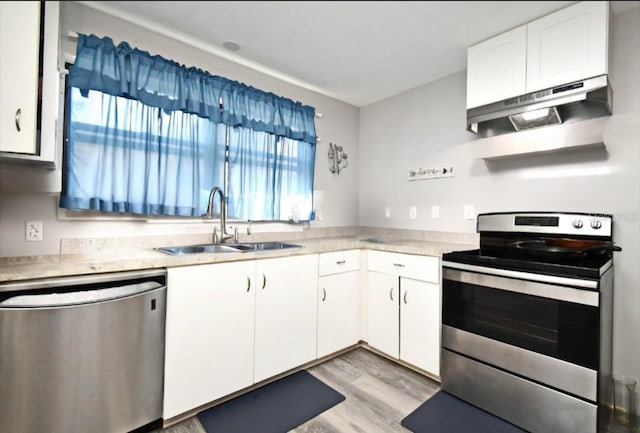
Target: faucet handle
215,236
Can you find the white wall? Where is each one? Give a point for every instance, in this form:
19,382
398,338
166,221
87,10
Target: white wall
427,125
18,203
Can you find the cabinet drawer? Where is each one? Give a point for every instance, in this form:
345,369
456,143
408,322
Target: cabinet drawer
422,268
339,261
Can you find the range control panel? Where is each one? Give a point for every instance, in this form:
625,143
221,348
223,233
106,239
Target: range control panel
570,224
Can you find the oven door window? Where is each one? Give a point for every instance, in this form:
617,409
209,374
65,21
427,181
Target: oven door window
561,329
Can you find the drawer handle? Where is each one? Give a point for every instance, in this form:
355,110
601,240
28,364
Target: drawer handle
341,262
405,296
18,117
248,284
391,293
324,294
398,265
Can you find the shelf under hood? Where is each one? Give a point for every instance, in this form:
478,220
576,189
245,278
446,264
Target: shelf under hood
557,138
573,102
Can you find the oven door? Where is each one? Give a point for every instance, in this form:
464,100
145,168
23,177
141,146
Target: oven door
540,330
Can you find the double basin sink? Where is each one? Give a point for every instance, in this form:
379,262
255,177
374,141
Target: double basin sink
227,248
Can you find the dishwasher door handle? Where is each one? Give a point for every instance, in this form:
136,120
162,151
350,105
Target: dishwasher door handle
79,297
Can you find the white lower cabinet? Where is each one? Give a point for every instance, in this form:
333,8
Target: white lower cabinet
383,313
403,299
420,324
209,334
286,314
231,325
338,301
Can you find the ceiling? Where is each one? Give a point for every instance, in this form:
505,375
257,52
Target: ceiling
354,51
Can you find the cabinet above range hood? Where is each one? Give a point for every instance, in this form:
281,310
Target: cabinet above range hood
572,102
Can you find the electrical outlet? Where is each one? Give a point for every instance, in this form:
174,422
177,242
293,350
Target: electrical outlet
33,231
387,213
469,212
435,212
413,213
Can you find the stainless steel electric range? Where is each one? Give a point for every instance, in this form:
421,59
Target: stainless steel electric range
527,320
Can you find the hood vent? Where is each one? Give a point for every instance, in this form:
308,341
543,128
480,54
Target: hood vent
569,103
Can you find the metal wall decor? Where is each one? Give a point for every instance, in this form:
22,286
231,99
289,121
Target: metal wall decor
337,159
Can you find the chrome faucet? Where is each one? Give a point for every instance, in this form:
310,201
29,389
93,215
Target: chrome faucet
223,215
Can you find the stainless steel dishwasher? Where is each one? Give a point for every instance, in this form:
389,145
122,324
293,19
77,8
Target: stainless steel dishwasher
82,354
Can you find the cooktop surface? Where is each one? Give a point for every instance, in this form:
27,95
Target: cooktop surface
589,267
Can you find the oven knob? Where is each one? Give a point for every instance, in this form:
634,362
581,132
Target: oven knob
577,224
596,224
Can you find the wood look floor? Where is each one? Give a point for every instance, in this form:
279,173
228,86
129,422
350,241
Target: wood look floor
379,394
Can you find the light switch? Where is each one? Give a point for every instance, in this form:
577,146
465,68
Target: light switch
435,212
413,213
387,213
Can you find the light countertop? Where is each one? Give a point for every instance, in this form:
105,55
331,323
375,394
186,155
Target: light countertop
130,259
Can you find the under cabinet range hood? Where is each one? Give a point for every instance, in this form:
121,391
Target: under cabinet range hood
572,102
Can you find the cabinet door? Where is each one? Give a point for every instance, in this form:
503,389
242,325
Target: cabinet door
338,312
383,313
420,324
569,45
19,48
286,314
209,334
496,68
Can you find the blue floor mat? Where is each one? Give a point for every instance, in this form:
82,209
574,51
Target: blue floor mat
274,408
444,413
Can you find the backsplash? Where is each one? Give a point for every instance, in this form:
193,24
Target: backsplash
92,245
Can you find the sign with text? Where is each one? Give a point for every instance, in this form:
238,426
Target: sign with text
432,171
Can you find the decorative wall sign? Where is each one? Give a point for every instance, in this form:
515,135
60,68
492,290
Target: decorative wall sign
433,171
337,159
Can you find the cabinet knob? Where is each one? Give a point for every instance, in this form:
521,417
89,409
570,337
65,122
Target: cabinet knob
18,117
341,262
324,294
248,284
264,281
398,265
405,296
391,293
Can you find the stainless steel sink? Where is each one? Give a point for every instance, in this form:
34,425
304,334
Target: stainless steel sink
226,248
195,249
262,246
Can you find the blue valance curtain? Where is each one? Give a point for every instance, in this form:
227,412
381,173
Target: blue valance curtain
158,82
146,135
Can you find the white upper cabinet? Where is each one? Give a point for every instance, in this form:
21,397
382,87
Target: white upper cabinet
569,45
496,68
22,137
19,47
565,46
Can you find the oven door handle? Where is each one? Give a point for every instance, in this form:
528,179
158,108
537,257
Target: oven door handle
532,276
551,291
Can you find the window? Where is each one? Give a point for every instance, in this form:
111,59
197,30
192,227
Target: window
274,174
147,136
